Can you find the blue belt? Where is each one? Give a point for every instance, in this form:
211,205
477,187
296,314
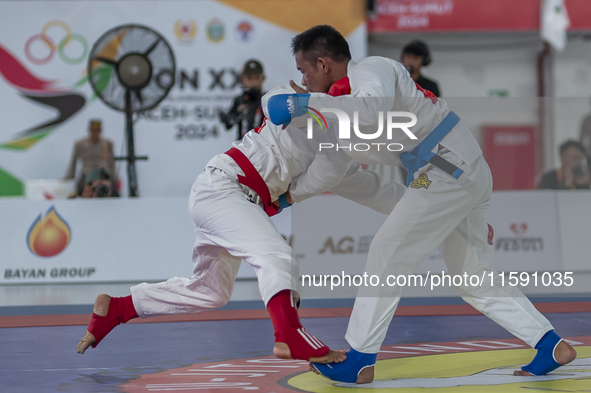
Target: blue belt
422,155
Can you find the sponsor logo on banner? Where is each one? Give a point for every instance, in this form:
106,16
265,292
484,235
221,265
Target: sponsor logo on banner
244,30
511,138
49,235
40,48
185,30
53,273
216,31
346,245
519,242
42,91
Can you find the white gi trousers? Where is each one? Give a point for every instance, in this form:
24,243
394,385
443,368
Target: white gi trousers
450,213
229,228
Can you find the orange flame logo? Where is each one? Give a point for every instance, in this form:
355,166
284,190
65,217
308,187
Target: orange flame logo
49,235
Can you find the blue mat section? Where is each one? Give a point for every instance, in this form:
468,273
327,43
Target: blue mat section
44,359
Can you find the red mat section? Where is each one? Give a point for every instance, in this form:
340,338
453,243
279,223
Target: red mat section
224,315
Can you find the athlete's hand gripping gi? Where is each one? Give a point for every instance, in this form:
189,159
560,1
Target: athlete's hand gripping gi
282,202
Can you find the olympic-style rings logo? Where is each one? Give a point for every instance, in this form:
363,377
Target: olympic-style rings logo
64,42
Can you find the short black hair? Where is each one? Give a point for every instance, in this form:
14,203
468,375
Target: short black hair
570,143
321,41
418,48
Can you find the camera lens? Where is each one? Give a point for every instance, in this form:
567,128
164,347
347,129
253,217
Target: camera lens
101,191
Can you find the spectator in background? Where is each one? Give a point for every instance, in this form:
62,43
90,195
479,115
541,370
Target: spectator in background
574,171
415,55
94,152
586,135
246,110
97,184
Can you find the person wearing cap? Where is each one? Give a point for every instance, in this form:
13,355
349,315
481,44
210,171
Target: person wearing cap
415,55
94,152
246,110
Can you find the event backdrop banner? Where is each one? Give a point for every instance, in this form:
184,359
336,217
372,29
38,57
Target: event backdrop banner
94,240
150,239
331,234
47,100
100,240
391,16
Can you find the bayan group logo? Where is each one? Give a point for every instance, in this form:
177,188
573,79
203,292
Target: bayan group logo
48,236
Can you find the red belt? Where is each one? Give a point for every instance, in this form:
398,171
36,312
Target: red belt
253,180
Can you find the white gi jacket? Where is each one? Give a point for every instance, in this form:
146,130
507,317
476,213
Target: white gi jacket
282,155
379,84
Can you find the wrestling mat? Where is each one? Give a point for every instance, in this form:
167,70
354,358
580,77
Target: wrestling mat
433,345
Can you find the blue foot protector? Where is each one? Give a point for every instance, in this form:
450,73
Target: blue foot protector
544,361
349,370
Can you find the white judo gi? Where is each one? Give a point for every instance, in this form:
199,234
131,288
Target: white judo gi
231,225
436,210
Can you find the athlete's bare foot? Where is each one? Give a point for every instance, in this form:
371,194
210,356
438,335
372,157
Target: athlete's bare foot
564,354
313,369
365,376
281,350
101,308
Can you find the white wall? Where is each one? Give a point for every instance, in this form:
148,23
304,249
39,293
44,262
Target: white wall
471,65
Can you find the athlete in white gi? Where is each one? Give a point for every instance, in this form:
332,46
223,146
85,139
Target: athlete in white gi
444,206
232,224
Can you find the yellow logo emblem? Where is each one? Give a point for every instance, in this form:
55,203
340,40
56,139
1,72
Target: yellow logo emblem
185,30
421,182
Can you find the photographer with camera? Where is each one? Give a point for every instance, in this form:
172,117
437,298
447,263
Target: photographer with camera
574,173
97,184
246,110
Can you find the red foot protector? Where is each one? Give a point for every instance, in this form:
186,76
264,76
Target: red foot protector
121,310
289,330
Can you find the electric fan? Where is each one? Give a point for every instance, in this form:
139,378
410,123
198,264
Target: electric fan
131,68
